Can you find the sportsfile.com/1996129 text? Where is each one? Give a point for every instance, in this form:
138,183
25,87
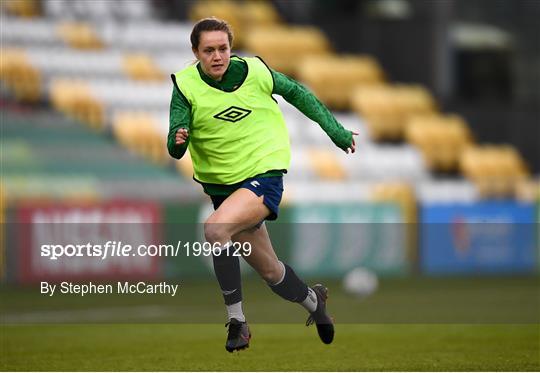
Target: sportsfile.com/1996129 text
119,249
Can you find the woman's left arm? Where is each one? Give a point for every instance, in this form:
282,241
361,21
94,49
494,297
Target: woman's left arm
305,101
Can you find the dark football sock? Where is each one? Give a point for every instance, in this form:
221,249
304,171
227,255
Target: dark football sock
290,287
227,270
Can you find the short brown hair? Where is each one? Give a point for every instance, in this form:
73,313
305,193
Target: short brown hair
209,24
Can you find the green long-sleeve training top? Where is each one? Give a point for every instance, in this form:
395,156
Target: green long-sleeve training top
292,91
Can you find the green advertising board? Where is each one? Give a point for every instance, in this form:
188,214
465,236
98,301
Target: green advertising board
182,228
330,239
317,240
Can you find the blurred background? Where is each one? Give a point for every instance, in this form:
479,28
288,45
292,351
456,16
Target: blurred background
444,184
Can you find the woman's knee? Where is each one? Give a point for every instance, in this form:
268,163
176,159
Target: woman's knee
216,232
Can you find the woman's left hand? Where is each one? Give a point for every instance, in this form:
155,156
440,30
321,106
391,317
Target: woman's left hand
352,148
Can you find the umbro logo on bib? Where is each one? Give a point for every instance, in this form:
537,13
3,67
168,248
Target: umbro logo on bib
233,114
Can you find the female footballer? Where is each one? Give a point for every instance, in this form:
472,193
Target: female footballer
223,110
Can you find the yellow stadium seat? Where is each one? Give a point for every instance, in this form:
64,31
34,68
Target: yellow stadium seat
19,75
326,164
284,47
527,190
138,131
440,138
22,8
142,67
495,169
387,108
222,9
333,77
257,13
79,35
75,99
242,16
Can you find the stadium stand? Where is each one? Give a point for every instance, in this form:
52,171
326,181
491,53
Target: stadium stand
107,65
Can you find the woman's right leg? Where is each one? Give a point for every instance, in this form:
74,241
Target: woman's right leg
280,277
240,211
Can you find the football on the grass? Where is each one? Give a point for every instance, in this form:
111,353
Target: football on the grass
360,282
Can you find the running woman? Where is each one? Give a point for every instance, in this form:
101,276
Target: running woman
222,109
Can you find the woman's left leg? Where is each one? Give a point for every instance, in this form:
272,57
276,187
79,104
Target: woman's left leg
279,276
283,281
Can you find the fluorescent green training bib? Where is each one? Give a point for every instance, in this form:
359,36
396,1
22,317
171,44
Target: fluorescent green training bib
235,135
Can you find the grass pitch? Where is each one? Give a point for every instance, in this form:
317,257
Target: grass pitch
282,347
409,324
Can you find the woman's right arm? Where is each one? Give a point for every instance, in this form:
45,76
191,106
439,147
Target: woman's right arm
179,117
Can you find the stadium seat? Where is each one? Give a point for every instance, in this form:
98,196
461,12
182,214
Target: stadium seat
527,190
138,131
387,108
76,99
20,76
495,169
243,16
440,138
333,78
142,67
284,47
222,9
258,13
79,35
400,192
22,8
326,165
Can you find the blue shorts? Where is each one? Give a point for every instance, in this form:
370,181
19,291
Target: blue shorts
270,187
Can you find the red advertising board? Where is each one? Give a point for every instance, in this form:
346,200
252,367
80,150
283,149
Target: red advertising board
68,242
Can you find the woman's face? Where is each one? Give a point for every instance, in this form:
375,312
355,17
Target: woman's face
214,53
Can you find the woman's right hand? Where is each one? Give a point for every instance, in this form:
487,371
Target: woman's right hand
181,136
